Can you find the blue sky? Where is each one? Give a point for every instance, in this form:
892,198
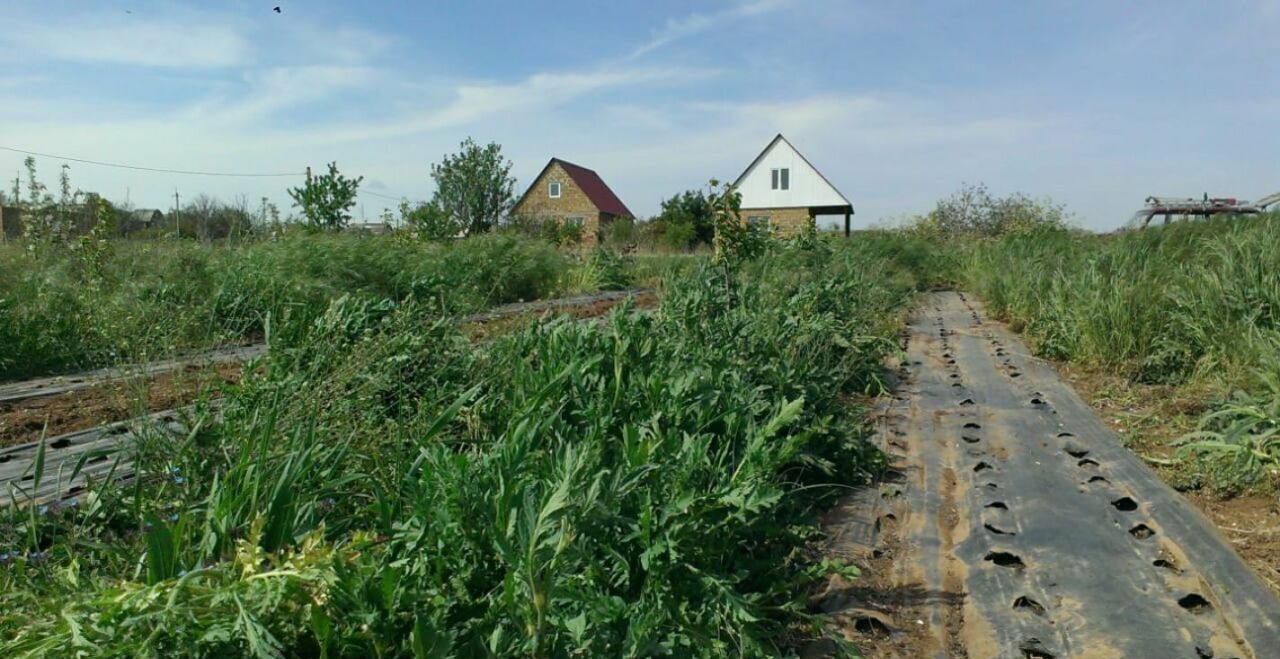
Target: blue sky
1095,104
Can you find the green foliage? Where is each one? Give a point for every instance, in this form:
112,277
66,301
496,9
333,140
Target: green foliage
1189,301
686,220
735,241
380,486
113,302
605,270
428,221
326,200
475,186
621,233
973,211
1239,444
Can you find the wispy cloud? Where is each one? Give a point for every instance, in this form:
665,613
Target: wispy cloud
138,41
264,93
474,102
688,26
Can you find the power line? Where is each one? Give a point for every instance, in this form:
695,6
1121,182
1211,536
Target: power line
144,169
385,196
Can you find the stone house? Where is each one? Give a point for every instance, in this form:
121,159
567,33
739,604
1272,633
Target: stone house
571,194
783,191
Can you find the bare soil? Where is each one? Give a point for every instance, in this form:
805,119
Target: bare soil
29,420
483,331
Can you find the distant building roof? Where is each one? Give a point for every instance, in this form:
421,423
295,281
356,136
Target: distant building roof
592,185
145,214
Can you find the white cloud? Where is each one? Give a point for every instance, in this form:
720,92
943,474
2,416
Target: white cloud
168,43
681,28
474,102
266,92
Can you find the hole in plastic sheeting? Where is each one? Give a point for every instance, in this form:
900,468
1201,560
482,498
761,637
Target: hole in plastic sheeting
1028,604
1125,504
966,402
996,530
972,426
1065,434
1000,505
1075,451
1195,603
1035,651
1005,559
981,466
61,443
971,439
1166,564
1142,532
1087,462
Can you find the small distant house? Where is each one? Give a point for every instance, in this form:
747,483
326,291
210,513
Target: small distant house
146,218
783,191
572,194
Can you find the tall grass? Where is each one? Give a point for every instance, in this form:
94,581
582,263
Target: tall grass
1195,303
382,487
61,311
1189,301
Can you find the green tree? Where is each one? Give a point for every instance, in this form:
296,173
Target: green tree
429,221
475,186
686,220
326,200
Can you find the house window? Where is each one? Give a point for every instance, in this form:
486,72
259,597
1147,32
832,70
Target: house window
554,189
761,221
573,221
782,179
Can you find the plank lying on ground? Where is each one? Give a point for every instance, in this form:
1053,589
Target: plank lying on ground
15,392
1028,530
106,443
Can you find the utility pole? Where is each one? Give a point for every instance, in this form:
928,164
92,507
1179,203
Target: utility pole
177,228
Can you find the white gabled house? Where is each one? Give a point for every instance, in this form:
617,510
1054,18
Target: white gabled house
783,190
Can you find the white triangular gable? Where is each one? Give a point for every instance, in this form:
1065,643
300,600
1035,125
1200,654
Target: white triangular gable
806,186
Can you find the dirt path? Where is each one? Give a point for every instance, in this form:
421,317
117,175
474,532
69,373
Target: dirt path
1021,527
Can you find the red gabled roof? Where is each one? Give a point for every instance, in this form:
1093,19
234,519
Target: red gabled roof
592,185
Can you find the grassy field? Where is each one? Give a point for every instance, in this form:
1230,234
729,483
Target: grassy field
136,301
383,487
